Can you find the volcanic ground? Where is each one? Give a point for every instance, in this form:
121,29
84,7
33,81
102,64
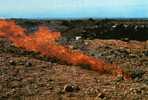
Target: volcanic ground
28,75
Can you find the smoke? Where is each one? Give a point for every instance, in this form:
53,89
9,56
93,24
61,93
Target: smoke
44,42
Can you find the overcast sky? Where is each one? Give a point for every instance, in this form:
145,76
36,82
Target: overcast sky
74,8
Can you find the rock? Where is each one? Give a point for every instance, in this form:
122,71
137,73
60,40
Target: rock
85,66
132,55
71,88
137,74
92,91
101,95
12,62
137,90
78,37
125,39
145,53
28,64
119,79
145,81
15,84
60,91
63,40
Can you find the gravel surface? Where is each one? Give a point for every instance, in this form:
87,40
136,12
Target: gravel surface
30,76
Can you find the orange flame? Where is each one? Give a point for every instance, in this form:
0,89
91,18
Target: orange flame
44,41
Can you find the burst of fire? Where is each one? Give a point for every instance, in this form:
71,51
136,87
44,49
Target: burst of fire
44,42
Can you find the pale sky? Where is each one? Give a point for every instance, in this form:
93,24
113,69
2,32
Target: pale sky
74,8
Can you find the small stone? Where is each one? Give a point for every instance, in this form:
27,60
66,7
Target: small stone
78,37
101,95
12,62
51,88
126,39
85,66
71,88
14,84
146,81
86,43
119,79
132,56
28,64
28,90
137,74
145,53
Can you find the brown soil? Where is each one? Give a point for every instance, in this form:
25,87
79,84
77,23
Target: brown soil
29,76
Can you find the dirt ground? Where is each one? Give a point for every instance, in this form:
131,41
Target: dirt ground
30,76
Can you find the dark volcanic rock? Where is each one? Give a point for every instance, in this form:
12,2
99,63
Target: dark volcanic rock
12,62
28,64
137,74
71,88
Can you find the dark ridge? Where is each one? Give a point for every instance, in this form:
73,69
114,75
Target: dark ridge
123,29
